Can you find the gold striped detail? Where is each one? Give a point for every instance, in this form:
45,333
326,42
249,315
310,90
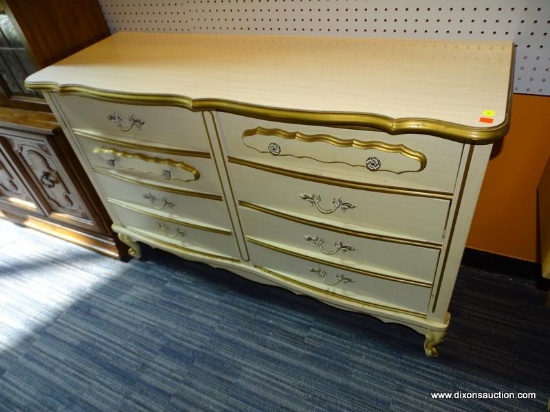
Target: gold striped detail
340,229
340,182
169,220
181,248
144,158
453,225
231,200
447,130
158,187
335,141
140,146
342,297
341,267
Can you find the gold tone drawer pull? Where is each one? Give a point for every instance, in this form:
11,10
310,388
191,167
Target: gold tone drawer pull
117,119
339,277
165,173
177,230
318,242
314,200
158,203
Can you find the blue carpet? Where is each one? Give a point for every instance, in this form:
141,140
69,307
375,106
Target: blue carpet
82,332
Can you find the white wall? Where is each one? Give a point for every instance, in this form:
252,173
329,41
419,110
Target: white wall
526,22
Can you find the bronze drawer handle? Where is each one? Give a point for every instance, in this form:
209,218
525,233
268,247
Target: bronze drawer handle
177,231
158,203
165,173
339,246
339,277
314,200
117,119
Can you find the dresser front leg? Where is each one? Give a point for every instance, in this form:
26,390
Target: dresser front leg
134,247
433,338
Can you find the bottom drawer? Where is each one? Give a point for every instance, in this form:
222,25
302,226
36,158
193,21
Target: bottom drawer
391,294
179,233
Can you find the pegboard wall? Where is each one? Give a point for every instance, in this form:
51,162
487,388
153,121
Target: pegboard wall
526,22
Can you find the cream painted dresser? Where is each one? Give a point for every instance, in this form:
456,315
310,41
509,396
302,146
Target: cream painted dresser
343,169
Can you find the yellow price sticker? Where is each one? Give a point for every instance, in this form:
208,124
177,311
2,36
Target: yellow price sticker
489,113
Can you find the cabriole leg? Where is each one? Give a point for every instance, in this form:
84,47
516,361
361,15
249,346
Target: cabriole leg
433,338
134,247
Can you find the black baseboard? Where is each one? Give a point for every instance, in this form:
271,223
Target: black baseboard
506,265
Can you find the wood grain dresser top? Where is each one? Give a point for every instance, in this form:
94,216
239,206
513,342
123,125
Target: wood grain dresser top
456,89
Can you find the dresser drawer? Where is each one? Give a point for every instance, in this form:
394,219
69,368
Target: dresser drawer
409,161
396,293
180,233
349,248
387,214
196,173
204,209
162,125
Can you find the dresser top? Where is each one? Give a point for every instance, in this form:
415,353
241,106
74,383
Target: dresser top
455,89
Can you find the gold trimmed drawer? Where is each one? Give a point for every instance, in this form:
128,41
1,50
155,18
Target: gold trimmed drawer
345,247
193,171
409,161
184,234
387,214
161,125
201,208
394,294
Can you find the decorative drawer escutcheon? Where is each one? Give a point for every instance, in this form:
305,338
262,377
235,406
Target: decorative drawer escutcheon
375,157
339,204
339,277
132,121
339,246
165,173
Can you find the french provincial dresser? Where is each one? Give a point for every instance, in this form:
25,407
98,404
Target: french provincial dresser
345,169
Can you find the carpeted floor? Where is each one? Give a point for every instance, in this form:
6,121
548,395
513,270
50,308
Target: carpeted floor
82,332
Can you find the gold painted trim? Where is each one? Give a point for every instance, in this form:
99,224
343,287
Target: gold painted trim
340,182
339,229
447,130
167,219
177,247
339,266
144,158
139,146
244,254
335,141
453,225
342,297
158,187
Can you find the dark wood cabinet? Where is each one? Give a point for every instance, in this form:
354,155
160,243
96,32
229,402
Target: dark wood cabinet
42,184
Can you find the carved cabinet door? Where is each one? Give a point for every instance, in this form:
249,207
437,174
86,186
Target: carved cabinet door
42,161
13,192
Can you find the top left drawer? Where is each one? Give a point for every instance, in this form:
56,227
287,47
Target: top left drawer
163,125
